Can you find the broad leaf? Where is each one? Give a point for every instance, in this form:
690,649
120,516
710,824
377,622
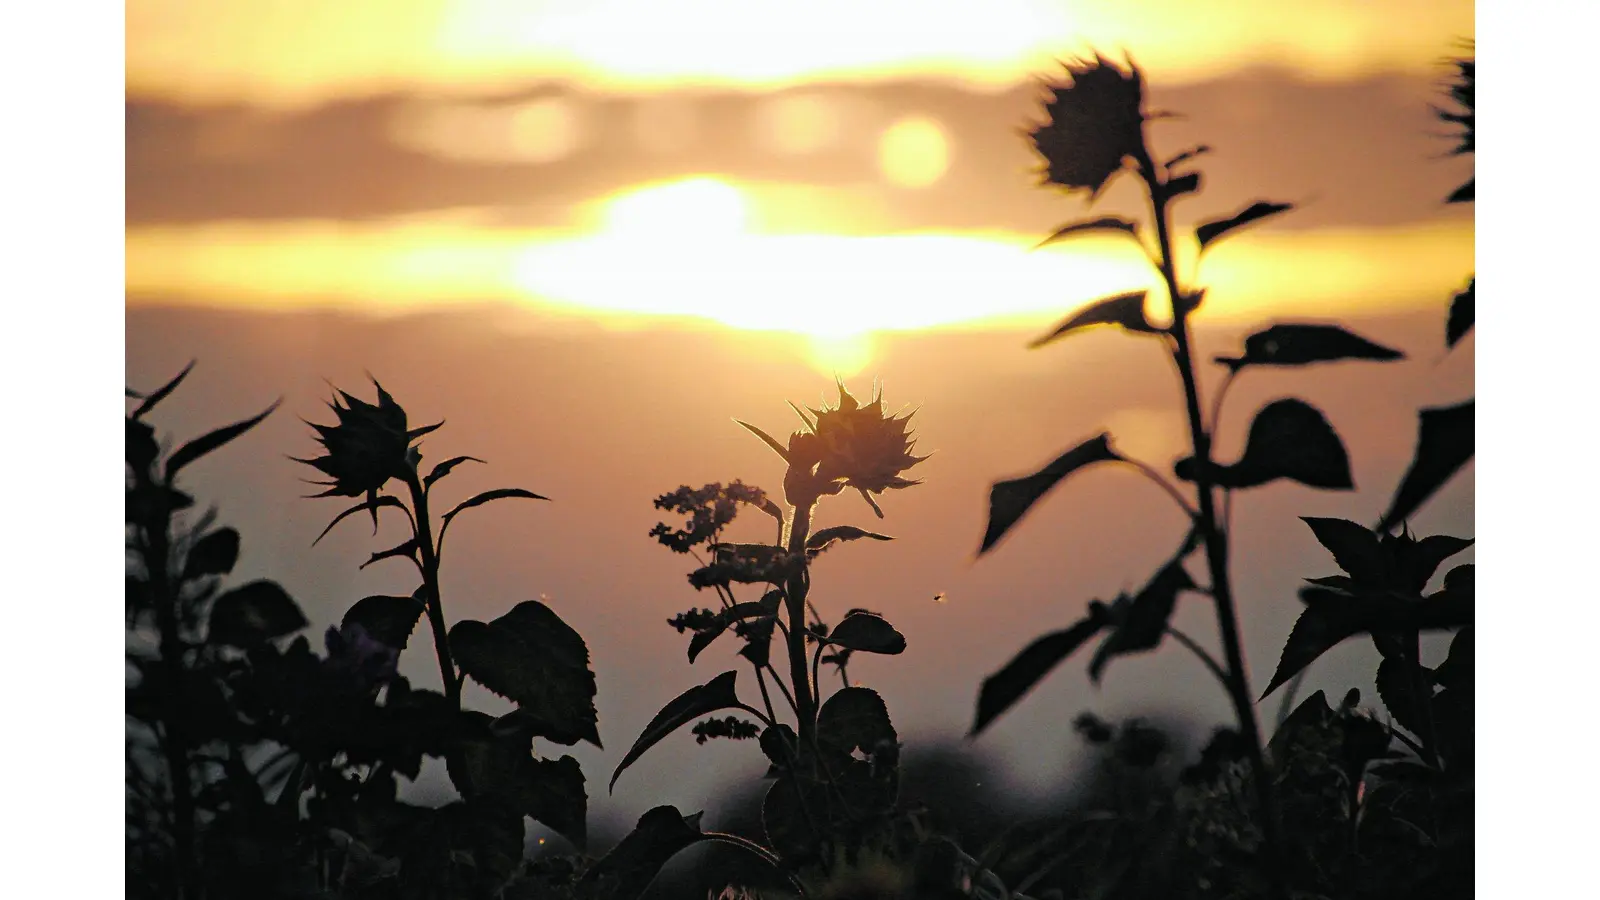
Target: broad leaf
140,447
1445,440
1010,500
372,505
1456,672
1089,226
502,770
1143,622
716,694
1288,439
625,872
1126,310
442,469
1210,232
1320,628
253,613
1357,550
388,620
1418,560
1303,344
1396,688
206,443
867,632
827,537
1183,184
1461,315
1004,688
485,497
855,719
214,554
161,393
534,659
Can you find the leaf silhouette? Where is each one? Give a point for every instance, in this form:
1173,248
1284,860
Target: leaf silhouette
486,497
827,537
534,659
1300,344
1394,684
767,439
1356,550
214,554
161,393
1288,439
442,469
1212,231
1320,628
1010,500
1089,226
868,633
1183,184
374,504
625,872
1444,444
1143,621
387,619
254,613
853,719
1463,194
407,550
501,770
1004,688
714,695
206,443
1461,314
703,638
1126,310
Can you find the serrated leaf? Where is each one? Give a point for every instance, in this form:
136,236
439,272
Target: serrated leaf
1126,310
1445,441
1395,687
1089,226
1356,550
1461,315
868,633
1004,688
1010,500
1418,561
767,439
486,497
1288,439
206,443
252,614
214,554
503,771
1302,344
537,661
161,393
1320,628
372,505
1144,622
407,550
1212,231
386,619
442,469
716,694
824,538
855,718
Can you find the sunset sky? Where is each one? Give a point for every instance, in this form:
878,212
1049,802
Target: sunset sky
590,233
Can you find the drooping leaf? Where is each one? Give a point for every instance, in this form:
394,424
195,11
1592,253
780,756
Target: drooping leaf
372,505
387,619
1356,550
767,439
213,554
1445,440
160,394
1301,344
867,632
855,718
253,613
537,661
1461,315
1126,310
704,637
1288,439
625,872
1320,628
1187,155
1004,688
716,694
502,770
1211,231
407,550
1396,688
443,469
780,744
1463,194
1456,672
1090,226
206,443
1184,184
824,538
485,497
1010,500
1143,622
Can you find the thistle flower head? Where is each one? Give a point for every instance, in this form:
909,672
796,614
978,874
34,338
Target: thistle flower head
1094,123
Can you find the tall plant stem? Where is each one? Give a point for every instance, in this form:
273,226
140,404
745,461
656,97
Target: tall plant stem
430,584
795,595
175,740
1216,539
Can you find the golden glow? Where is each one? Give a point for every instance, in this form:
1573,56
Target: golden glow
914,152
539,131
288,52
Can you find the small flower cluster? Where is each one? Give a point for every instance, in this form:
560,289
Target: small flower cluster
732,727
710,509
694,620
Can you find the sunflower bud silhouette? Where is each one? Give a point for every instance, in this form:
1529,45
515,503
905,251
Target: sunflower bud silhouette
1096,121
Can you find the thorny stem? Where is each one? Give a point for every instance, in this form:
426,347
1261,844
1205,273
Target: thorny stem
795,594
430,589
1216,540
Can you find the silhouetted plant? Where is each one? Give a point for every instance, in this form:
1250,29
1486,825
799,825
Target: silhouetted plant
1095,130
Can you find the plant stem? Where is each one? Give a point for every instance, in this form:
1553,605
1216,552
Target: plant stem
795,595
1422,695
1216,540
175,740
430,584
